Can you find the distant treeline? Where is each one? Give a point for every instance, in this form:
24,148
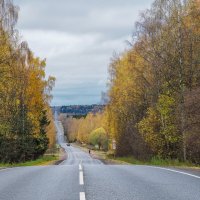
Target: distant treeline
26,128
81,110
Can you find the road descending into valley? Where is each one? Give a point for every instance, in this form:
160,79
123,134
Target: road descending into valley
81,177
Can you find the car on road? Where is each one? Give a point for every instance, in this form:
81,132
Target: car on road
68,144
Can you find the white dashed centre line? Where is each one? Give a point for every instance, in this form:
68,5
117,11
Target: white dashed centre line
81,182
82,196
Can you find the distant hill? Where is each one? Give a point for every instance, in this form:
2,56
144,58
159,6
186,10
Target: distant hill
81,110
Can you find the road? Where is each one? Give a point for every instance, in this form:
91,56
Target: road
74,155
81,177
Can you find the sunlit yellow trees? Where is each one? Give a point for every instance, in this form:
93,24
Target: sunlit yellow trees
80,128
130,82
159,129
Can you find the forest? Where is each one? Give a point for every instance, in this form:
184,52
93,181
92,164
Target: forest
154,89
80,110
26,122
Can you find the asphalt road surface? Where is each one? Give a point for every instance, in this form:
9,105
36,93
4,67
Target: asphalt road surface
82,178
75,156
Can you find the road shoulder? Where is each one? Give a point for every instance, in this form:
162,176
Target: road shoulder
63,156
104,158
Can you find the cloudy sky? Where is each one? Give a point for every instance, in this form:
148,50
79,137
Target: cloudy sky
78,38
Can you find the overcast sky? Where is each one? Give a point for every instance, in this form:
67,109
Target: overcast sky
78,38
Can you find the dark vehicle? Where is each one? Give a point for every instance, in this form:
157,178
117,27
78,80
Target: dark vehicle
68,144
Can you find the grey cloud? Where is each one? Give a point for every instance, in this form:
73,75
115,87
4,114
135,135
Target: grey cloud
111,17
78,38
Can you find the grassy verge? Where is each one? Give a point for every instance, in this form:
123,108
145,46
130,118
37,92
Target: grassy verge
44,160
156,162
108,158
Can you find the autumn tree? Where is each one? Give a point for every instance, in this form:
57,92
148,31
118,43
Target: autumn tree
130,83
24,94
99,137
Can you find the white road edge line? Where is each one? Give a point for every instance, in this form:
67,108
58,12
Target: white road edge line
81,182
172,170
82,196
80,167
